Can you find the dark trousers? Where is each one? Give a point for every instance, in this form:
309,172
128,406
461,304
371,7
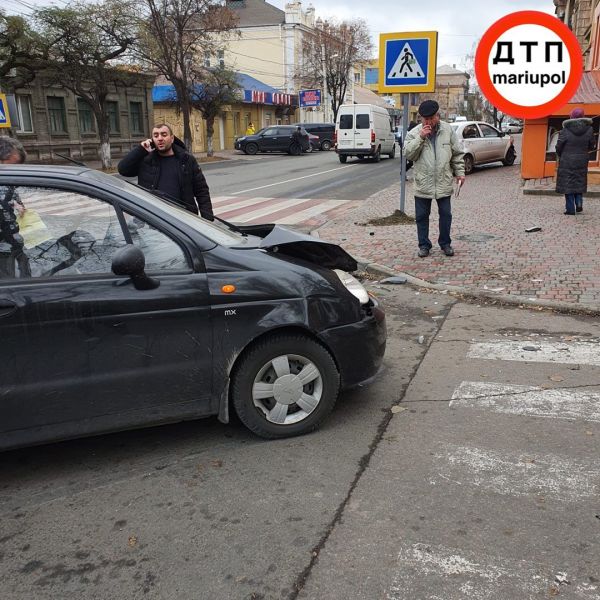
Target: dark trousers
422,212
573,201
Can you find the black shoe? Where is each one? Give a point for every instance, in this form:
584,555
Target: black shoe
423,252
568,213
579,209
448,250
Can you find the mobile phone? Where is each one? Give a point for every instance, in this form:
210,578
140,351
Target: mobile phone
152,145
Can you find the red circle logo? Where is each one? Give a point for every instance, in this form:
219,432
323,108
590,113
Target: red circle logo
528,64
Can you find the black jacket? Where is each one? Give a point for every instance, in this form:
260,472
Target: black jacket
146,165
574,146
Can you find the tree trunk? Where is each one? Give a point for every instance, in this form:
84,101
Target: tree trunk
103,134
186,109
210,130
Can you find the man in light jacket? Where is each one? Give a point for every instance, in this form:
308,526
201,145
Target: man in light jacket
438,161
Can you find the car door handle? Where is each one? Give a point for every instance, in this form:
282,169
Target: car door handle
7,307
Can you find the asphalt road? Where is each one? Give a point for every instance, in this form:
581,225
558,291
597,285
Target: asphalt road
314,175
196,510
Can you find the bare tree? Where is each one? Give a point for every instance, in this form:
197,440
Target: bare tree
219,87
84,43
21,51
174,36
330,52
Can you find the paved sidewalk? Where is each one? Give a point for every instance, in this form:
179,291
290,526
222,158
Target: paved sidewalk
494,253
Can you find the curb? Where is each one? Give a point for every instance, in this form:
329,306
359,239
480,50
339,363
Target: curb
510,299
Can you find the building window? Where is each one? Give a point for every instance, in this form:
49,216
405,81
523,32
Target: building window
222,58
135,114
371,76
86,117
112,109
207,59
57,114
356,76
24,118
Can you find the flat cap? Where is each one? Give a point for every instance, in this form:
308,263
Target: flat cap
428,108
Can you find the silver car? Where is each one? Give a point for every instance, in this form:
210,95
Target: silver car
482,143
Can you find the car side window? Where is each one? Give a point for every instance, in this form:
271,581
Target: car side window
488,132
270,131
162,253
346,121
471,131
362,122
61,234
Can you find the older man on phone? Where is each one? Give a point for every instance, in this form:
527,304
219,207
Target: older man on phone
438,161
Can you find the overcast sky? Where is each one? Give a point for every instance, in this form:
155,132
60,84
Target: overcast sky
459,24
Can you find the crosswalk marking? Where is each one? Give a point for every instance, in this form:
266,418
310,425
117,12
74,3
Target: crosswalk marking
436,572
288,211
518,474
584,353
557,403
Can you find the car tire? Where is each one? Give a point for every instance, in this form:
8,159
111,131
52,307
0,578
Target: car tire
269,394
377,156
392,154
468,164
343,158
510,157
295,149
361,157
251,148
326,145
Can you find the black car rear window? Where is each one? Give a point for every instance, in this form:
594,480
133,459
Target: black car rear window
346,121
362,122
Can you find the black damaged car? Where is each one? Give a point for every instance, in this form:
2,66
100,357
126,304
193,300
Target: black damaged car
278,138
120,310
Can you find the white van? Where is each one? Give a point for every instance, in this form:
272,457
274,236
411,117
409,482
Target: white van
364,130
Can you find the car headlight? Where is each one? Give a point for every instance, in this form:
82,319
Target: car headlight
354,286
241,139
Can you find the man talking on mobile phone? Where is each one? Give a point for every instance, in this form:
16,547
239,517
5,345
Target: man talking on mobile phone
163,164
438,160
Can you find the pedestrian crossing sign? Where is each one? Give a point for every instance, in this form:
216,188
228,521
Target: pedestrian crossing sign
4,116
407,61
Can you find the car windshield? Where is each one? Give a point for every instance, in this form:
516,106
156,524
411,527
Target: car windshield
220,233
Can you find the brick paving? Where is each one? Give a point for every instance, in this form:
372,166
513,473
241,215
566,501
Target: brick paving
493,251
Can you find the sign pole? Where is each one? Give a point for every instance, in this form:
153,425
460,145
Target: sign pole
405,101
407,64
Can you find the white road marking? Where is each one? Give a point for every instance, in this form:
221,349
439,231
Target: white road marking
294,179
557,403
584,353
519,474
428,572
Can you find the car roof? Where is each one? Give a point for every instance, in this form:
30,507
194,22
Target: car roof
463,123
47,169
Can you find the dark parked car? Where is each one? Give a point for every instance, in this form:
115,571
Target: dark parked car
325,132
121,310
278,138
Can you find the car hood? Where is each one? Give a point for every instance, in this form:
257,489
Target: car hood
300,245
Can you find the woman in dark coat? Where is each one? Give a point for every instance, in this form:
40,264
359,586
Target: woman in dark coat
574,146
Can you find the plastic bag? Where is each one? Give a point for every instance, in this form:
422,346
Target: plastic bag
33,229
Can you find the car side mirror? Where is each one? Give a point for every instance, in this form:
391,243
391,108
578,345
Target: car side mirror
501,134
130,261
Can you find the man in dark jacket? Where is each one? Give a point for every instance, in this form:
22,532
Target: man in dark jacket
574,147
163,164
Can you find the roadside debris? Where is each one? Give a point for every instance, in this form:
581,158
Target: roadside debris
395,280
532,229
421,339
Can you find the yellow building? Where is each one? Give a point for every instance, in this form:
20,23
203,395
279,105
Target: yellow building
267,45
